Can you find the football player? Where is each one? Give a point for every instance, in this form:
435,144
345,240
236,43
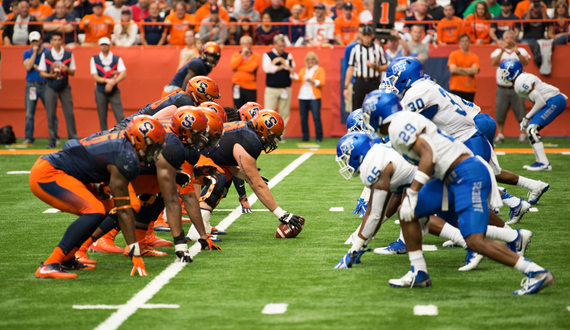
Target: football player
464,187
548,103
64,181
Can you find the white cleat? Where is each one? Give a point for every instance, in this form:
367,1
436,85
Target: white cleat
449,243
522,242
518,212
411,280
472,260
535,194
536,281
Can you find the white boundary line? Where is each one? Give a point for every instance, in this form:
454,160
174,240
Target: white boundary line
139,300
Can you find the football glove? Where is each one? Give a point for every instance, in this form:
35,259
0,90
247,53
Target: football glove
183,178
245,208
265,179
356,259
361,206
524,123
104,191
182,253
207,244
138,265
345,262
292,220
205,170
409,205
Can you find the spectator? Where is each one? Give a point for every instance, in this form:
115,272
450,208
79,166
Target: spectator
366,16
192,5
35,84
140,10
246,10
245,64
125,34
153,34
523,7
358,5
18,34
277,11
463,66
449,28
418,49
190,51
336,10
459,6
320,29
401,10
84,8
278,66
497,29
217,32
492,5
204,11
435,10
178,22
534,31
306,6
261,5
39,10
57,66
108,70
266,32
61,15
295,32
345,25
506,96
397,47
420,14
246,29
476,26
560,25
96,25
233,33
313,79
115,11
69,7
345,59
366,62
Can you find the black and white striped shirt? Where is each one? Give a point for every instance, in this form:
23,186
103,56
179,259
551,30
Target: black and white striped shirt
361,54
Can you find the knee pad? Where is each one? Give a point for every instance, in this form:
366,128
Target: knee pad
214,190
532,132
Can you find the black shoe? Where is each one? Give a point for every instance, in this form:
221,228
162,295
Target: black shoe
50,146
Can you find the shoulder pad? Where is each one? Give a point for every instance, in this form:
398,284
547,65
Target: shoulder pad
128,165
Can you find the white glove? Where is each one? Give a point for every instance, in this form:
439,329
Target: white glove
409,205
182,253
524,123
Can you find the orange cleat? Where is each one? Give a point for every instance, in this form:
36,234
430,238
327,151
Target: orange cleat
74,264
153,240
160,224
105,245
186,220
82,257
146,251
52,271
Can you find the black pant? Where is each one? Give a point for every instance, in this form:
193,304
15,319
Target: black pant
360,90
245,95
464,95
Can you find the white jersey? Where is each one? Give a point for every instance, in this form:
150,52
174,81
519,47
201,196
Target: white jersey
376,160
404,131
320,32
432,101
526,83
470,108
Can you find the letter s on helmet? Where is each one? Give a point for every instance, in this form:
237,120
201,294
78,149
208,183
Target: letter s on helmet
147,135
269,126
202,89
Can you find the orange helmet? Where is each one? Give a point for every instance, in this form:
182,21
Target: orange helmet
217,108
202,89
215,129
190,125
211,53
269,126
248,110
147,135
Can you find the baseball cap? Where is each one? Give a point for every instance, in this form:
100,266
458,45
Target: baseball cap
367,29
104,41
35,36
97,3
319,6
347,5
214,9
505,3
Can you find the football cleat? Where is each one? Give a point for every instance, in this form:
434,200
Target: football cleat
146,251
539,167
186,220
411,280
520,244
214,239
472,260
52,271
534,164
82,257
536,281
359,255
345,262
215,231
161,225
153,240
449,243
105,245
74,264
396,247
535,194
518,212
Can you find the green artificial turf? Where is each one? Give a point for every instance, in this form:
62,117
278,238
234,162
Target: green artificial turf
228,289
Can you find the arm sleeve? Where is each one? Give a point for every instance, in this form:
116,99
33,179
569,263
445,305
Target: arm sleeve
191,156
92,65
42,66
268,67
174,155
121,65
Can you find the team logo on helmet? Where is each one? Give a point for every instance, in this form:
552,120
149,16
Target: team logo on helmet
399,67
202,87
187,121
270,122
347,146
146,127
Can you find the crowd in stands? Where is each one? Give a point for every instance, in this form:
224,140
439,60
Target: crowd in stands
302,22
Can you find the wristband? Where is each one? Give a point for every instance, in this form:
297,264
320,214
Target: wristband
278,212
181,247
135,249
357,244
421,177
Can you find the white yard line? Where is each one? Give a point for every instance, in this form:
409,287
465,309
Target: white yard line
140,299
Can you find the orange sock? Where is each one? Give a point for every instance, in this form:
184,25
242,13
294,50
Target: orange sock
86,244
56,256
150,229
71,254
141,234
113,233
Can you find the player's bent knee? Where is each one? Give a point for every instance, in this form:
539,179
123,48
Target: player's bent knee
533,135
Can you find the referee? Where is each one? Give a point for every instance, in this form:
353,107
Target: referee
366,62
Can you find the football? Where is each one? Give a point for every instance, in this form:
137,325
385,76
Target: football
55,68
283,231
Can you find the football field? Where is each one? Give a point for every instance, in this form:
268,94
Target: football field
229,289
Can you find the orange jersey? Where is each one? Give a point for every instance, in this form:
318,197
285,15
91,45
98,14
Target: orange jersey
307,6
41,12
261,5
178,27
448,31
477,29
461,82
346,29
245,70
400,16
97,27
522,8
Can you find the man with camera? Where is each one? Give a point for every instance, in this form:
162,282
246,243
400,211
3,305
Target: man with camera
535,31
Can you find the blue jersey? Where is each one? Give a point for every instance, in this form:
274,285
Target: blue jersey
237,132
87,160
33,74
178,99
196,65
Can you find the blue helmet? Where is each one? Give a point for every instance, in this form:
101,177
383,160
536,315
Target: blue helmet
350,152
401,74
510,69
378,107
354,121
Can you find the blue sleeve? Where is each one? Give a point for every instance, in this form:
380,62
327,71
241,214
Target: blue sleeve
197,67
430,112
128,165
27,55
